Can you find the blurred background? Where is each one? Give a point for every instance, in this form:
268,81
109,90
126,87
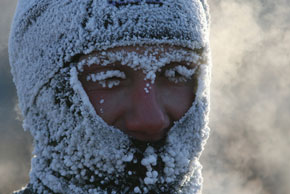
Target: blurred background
248,150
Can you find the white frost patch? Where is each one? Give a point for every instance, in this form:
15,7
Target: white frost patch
148,161
106,75
108,78
180,73
146,90
128,158
109,83
137,190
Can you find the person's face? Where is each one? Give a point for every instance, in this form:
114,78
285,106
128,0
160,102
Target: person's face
129,101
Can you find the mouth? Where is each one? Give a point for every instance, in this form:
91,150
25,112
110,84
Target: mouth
143,145
146,137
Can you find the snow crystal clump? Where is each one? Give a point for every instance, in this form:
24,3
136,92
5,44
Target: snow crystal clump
137,190
103,77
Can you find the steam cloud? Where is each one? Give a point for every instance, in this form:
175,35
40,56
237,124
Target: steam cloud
248,151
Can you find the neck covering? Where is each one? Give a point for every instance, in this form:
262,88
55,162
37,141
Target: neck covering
75,151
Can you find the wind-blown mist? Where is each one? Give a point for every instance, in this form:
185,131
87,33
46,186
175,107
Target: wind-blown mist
15,144
248,150
7,8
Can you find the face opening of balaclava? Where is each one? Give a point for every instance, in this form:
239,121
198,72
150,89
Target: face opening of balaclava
75,151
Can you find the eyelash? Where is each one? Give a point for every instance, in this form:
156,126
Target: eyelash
185,74
108,78
112,78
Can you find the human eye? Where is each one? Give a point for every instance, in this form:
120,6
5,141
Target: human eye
179,73
106,79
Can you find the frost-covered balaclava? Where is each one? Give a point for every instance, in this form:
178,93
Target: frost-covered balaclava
75,151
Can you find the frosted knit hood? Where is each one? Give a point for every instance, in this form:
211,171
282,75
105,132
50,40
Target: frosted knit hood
75,150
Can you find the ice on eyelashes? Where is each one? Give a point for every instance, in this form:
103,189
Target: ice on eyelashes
184,73
108,78
111,78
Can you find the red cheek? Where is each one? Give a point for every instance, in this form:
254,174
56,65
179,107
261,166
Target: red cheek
177,99
109,105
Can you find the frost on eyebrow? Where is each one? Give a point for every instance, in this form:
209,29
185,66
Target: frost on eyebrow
105,75
150,62
103,78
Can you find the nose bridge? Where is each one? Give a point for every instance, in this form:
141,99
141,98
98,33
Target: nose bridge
147,115
145,101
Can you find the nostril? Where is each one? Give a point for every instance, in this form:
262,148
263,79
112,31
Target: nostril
147,128
148,137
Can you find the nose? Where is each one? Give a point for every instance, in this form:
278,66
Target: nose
147,119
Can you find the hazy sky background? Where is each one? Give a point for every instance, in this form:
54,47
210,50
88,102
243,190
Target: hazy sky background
248,150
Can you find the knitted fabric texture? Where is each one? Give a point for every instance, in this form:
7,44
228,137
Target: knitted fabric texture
47,34
74,147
